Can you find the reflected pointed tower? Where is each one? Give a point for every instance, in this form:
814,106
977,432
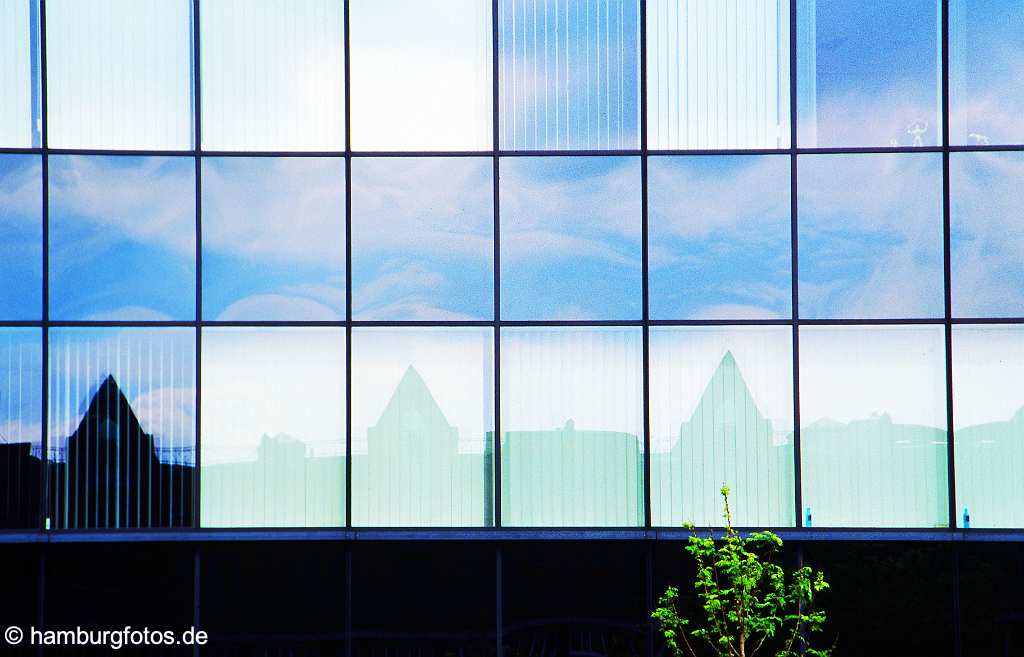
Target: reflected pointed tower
111,475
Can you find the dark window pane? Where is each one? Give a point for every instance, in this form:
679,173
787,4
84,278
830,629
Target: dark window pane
424,599
273,238
121,427
574,599
868,73
273,599
991,609
719,237
21,237
19,605
122,238
569,74
422,239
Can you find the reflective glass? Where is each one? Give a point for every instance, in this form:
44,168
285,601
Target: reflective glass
422,238
421,75
569,74
987,234
554,380
717,74
570,238
273,427
119,74
986,82
719,237
721,402
988,405
868,73
121,427
870,236
20,109
21,237
21,408
122,238
274,238
273,75
872,426
422,427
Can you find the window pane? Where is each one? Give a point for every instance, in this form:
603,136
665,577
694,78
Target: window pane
122,238
273,75
421,75
987,234
422,427
273,427
569,74
868,73
579,598
20,111
870,236
553,381
21,237
121,427
719,237
571,238
722,413
872,423
119,74
988,404
274,238
21,380
422,239
717,74
986,91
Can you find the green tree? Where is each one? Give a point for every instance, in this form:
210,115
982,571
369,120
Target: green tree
747,602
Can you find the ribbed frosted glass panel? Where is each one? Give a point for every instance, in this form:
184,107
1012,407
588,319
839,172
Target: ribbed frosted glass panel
273,427
422,239
869,73
872,422
20,118
423,427
719,237
722,414
987,234
273,238
717,74
421,75
569,74
121,427
571,238
572,427
21,237
988,404
870,235
122,238
21,468
986,88
273,75
119,74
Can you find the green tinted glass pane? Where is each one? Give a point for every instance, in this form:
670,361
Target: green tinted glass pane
572,427
273,427
988,404
422,427
722,413
872,423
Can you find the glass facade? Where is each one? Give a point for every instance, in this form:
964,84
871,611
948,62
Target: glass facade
527,264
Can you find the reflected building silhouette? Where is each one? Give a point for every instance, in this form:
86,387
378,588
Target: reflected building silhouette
20,471
109,475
